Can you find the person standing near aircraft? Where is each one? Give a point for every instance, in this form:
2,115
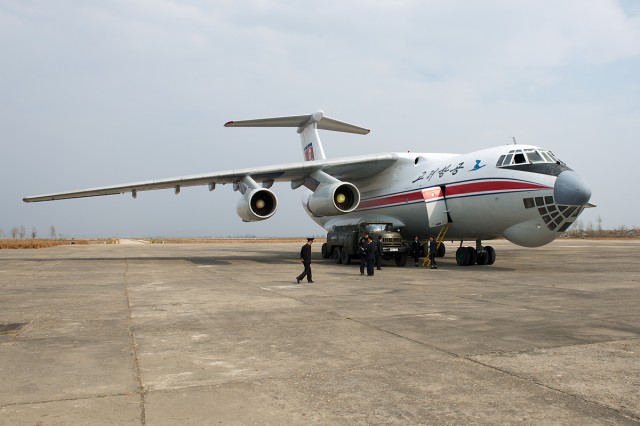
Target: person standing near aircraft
416,249
433,249
379,251
371,255
362,250
305,257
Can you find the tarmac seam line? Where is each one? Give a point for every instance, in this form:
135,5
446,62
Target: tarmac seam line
630,416
52,401
134,347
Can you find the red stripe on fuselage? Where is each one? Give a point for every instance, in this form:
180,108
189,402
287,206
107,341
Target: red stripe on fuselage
407,197
491,186
454,190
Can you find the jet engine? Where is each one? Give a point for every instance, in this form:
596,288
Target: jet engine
333,199
257,204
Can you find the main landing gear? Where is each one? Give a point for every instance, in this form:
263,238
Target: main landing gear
480,255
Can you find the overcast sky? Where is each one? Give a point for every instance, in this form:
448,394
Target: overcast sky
94,93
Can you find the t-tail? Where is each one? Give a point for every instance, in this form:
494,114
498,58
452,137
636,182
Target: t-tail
307,126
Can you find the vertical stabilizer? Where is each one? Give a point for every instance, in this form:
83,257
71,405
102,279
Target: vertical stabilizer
311,144
308,126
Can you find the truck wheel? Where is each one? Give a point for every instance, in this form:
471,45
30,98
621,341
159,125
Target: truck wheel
336,255
325,251
345,257
401,259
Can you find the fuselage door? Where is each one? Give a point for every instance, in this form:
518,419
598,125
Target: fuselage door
436,206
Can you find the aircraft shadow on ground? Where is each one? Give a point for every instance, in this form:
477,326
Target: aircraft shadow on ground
264,257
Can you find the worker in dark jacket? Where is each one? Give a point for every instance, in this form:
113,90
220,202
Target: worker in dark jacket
371,255
433,252
416,249
362,252
305,257
379,251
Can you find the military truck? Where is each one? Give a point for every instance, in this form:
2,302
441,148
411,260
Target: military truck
342,242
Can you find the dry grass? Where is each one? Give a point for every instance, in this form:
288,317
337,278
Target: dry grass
230,240
37,244
46,243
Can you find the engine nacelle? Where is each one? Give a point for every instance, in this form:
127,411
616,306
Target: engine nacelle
257,204
333,199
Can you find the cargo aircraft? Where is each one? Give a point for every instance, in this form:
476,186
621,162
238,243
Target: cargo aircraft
520,192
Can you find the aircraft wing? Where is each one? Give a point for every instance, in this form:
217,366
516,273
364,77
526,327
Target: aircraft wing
346,168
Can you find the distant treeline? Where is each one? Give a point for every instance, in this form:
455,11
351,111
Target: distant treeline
580,230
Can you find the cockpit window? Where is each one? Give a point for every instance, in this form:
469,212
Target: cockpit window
553,157
519,158
527,156
547,158
534,156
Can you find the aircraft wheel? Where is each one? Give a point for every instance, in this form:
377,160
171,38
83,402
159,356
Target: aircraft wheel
345,257
401,259
462,256
441,250
325,251
336,255
483,258
491,255
473,256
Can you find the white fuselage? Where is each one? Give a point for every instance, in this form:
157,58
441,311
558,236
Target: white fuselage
482,201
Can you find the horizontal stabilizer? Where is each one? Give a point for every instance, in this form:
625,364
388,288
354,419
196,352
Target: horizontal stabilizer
302,121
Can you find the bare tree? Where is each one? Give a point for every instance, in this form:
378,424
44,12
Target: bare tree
23,231
622,231
14,232
577,228
52,232
1,233
34,232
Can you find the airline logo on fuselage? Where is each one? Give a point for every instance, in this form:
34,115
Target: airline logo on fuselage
441,172
451,169
478,166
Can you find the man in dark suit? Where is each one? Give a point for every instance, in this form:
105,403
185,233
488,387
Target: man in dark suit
379,251
371,255
305,257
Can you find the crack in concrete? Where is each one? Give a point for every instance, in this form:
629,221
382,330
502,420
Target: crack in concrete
134,347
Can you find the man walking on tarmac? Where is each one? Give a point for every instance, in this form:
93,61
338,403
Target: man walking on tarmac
305,257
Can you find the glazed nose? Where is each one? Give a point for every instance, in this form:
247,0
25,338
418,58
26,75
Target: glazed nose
570,190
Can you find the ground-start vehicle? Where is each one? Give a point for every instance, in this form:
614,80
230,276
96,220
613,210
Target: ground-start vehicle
343,242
